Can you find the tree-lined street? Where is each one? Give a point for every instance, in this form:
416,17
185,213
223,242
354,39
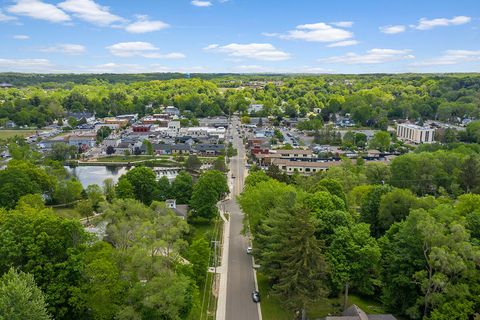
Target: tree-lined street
235,301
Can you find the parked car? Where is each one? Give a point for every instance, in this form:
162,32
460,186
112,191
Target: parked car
249,250
256,296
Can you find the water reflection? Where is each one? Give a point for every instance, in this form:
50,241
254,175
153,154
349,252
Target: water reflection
97,174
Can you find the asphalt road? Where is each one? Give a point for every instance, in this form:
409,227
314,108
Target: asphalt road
240,275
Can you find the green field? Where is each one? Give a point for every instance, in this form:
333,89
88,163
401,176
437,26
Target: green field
273,308
208,300
5,134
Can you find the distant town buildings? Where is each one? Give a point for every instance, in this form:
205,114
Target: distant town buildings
5,85
414,133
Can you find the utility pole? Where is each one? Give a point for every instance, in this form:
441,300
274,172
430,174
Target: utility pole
345,298
215,255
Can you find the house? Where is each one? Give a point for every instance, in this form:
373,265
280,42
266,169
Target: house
48,143
181,210
355,313
414,133
111,142
209,149
172,111
82,140
10,124
159,148
123,147
5,85
88,116
253,108
181,148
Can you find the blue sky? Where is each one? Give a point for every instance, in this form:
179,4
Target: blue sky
300,36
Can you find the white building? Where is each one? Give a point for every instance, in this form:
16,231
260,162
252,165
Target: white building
203,132
172,111
414,133
255,108
174,126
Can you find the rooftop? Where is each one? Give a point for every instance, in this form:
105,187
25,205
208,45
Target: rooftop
414,126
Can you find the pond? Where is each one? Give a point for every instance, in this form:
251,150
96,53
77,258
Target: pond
97,174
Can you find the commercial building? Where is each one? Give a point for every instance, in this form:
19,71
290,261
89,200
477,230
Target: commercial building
121,122
85,141
303,167
414,133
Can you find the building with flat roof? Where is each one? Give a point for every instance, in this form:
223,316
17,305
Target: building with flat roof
414,133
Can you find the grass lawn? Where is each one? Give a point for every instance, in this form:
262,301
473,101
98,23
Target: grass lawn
273,309
67,212
126,158
5,134
208,301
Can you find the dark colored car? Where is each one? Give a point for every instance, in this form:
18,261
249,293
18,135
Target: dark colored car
256,296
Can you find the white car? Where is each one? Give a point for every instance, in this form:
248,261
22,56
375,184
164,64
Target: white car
249,250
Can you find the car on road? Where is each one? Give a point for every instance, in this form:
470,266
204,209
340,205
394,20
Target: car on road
249,250
256,296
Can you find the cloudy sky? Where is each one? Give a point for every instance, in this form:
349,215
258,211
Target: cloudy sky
300,36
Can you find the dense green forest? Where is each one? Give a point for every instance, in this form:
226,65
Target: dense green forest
151,263
405,234
371,100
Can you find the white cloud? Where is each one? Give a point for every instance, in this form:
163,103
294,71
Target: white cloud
451,57
172,55
373,56
144,25
345,43
90,11
258,51
393,29
21,37
201,3
267,69
25,65
38,10
141,49
6,18
113,67
425,24
67,48
317,32
343,24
